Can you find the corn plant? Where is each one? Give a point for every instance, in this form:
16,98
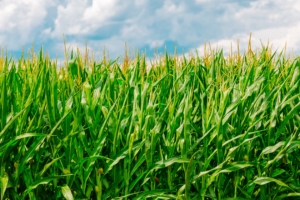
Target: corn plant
203,127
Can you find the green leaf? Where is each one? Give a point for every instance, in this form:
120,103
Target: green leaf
155,194
43,181
30,153
4,182
277,172
48,165
235,166
165,163
266,180
293,194
121,156
11,142
66,191
12,120
271,149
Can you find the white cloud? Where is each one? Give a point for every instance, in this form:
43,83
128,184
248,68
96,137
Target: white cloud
172,8
148,23
156,43
270,13
140,2
201,1
19,21
69,18
80,17
284,37
100,11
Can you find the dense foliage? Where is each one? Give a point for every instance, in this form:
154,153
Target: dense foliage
209,127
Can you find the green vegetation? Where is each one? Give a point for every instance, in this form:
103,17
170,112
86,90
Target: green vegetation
204,127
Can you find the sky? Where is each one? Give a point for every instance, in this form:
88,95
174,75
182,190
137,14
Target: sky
148,26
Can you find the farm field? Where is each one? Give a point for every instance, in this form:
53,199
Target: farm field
199,127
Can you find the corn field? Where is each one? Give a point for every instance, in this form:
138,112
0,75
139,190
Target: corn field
203,127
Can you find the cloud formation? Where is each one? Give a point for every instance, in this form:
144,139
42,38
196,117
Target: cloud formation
147,25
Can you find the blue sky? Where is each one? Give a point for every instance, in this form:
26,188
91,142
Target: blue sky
147,25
